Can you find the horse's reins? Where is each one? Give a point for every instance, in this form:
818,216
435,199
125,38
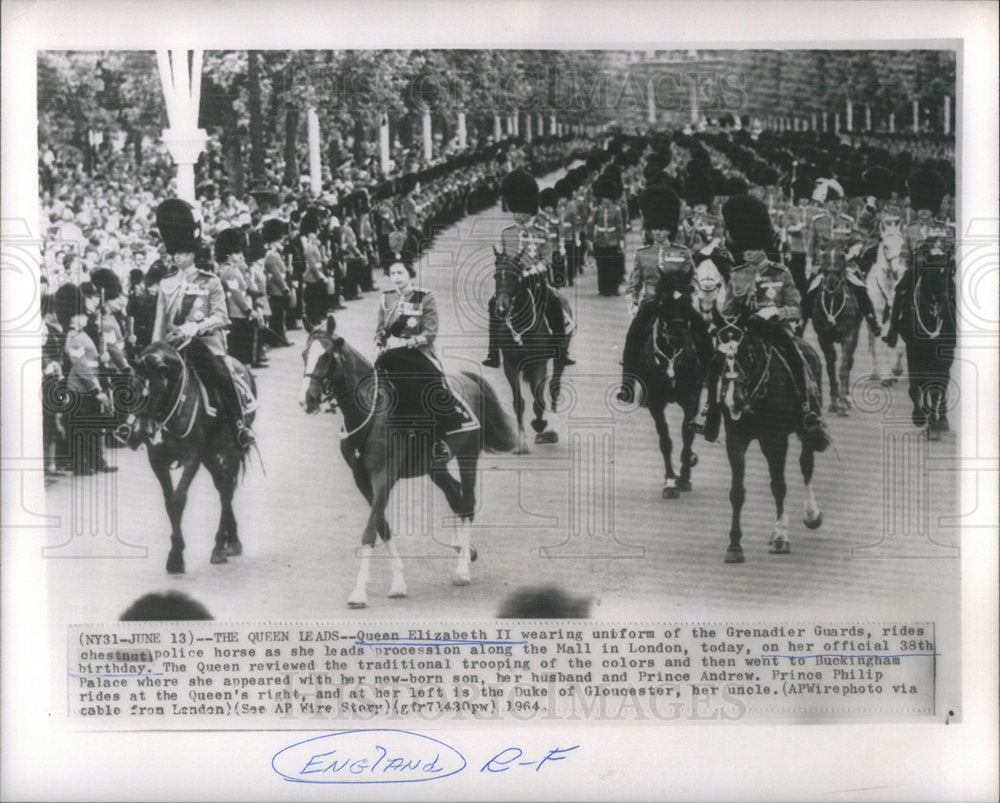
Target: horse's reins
671,358
510,267
916,311
177,402
333,398
830,315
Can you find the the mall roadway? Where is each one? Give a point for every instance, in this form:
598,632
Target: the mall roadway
882,549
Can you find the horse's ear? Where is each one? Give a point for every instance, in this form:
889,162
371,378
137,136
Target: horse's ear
331,323
496,253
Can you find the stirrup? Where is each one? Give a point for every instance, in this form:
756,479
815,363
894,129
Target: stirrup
122,433
811,420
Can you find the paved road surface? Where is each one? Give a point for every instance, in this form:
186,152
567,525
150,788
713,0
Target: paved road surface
588,517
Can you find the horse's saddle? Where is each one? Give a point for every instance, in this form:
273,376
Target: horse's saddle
244,390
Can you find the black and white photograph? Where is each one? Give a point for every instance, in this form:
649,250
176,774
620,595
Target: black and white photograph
421,404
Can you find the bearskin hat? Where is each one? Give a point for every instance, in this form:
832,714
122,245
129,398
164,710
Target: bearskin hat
607,187
178,226
854,184
107,280
802,187
748,223
519,191
661,208
564,188
652,174
698,189
548,198
272,230
408,183
68,302
309,223
594,162
926,189
229,242
736,186
878,182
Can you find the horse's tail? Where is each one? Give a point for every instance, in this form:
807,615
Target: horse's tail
499,434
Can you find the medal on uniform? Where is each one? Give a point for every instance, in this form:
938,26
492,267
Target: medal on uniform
770,292
411,322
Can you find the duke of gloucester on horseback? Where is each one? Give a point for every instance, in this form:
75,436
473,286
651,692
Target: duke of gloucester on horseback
402,419
924,314
764,381
838,296
881,223
530,322
668,347
200,403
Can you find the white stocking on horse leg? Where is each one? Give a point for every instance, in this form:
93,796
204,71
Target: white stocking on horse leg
779,536
359,596
398,588
463,539
813,516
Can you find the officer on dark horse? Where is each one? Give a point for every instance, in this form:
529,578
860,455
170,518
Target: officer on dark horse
924,309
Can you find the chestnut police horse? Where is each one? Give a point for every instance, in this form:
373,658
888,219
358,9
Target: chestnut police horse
381,450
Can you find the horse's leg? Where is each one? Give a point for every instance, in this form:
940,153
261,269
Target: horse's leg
688,458
467,472
656,405
375,525
846,364
514,379
736,447
812,516
176,557
830,357
555,382
160,465
537,374
774,445
227,541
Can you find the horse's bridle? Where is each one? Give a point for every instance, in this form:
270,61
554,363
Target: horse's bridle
510,266
178,401
329,394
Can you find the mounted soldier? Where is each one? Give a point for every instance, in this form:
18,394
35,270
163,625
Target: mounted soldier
528,243
191,307
765,292
834,245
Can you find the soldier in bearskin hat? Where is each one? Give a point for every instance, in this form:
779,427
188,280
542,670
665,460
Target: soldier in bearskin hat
835,243
608,235
766,291
528,242
569,227
928,243
86,418
191,308
795,220
700,231
881,220
665,265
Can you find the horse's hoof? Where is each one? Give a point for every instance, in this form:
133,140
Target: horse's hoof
780,546
842,411
393,595
670,493
549,436
522,450
356,605
833,408
897,370
175,565
460,580
234,549
888,382
933,434
683,485
734,554
219,556
815,523
874,377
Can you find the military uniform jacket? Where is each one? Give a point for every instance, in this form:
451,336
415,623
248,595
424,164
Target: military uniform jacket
413,315
770,285
930,242
552,227
607,226
569,222
193,295
697,231
531,244
651,263
81,356
831,237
